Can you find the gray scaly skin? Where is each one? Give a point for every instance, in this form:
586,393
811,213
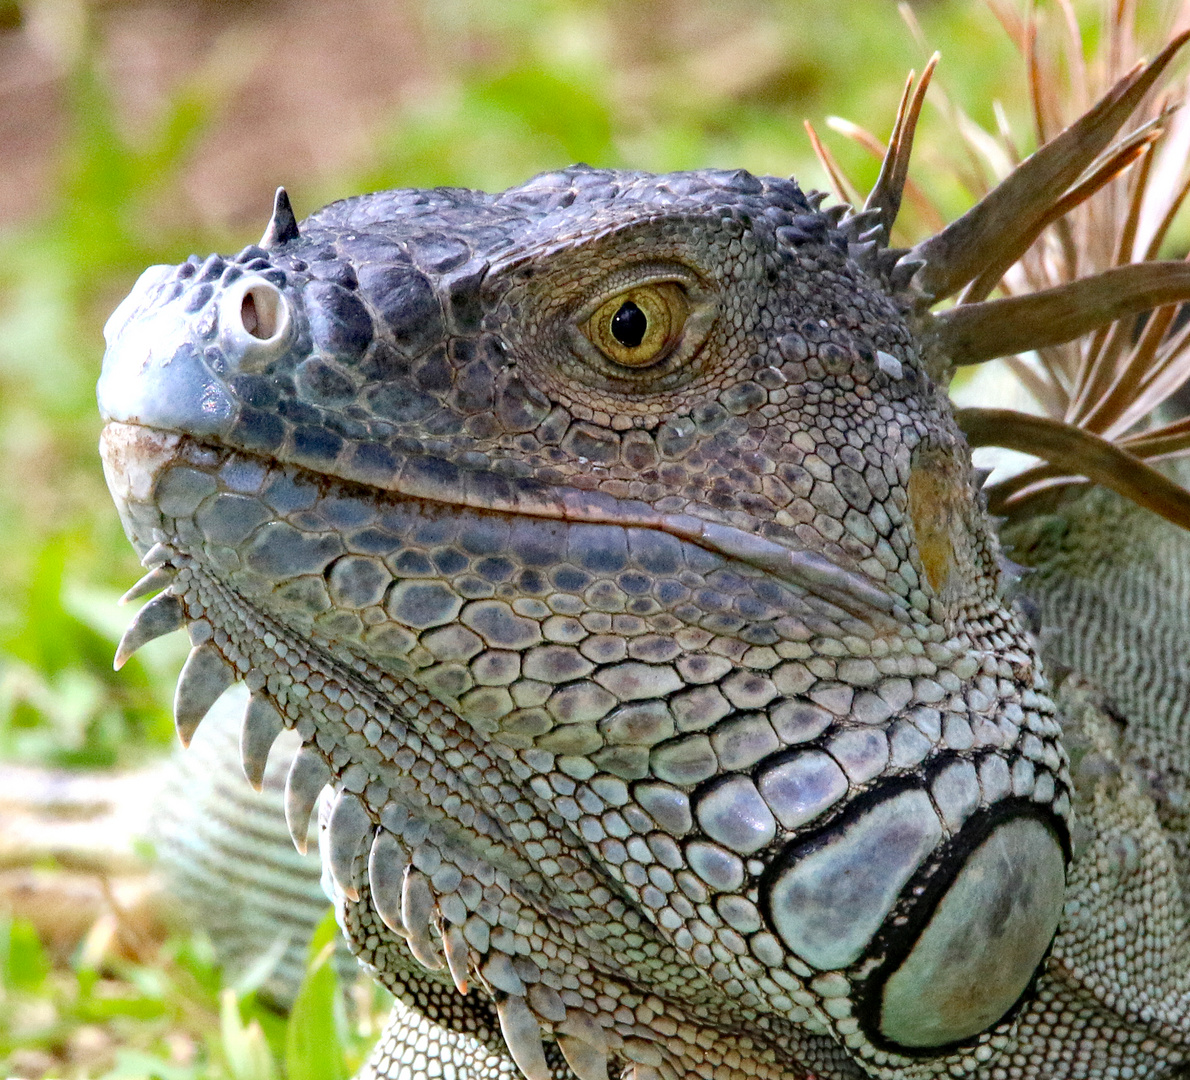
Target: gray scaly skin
674,719
227,861
1104,570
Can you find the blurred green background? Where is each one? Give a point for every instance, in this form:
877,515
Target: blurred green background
134,133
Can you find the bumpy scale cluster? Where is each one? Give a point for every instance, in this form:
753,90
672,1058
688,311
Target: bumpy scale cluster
624,574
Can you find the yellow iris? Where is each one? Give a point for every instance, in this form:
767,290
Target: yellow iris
640,326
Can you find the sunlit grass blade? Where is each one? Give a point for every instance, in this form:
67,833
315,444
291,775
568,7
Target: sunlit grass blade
844,190
314,1036
244,1045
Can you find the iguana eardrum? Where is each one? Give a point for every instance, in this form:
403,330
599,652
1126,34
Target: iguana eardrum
612,547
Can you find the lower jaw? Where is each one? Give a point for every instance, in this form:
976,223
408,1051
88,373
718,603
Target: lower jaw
380,737
345,694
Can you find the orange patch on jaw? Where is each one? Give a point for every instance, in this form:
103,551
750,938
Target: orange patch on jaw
934,511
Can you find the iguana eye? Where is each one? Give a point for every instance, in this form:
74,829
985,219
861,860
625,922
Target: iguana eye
641,326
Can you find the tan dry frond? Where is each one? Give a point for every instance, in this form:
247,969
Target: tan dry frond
1073,450
844,189
1069,239
1014,210
885,195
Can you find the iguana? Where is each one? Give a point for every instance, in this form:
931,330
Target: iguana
611,545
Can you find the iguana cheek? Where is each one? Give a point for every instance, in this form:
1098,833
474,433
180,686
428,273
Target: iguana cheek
983,943
931,916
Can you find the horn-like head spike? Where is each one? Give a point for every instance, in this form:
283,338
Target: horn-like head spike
903,272
856,224
283,225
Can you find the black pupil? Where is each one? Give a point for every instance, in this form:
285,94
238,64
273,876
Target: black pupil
629,325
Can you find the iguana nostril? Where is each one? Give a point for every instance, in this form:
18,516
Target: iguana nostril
255,320
260,311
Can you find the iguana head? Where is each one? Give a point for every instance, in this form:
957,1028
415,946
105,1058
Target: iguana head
618,559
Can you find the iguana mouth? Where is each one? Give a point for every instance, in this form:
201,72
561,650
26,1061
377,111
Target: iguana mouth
328,556
803,568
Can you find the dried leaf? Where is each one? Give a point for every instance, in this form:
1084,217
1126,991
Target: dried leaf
1118,162
956,255
971,333
894,170
844,190
1078,453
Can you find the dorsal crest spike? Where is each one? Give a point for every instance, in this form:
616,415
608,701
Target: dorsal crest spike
885,196
282,226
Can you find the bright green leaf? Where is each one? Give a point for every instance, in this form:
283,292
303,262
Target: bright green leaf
314,1036
25,964
244,1045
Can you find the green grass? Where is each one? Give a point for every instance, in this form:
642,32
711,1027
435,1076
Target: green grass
170,1017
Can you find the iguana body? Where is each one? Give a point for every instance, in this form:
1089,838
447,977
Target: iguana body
1102,569
611,546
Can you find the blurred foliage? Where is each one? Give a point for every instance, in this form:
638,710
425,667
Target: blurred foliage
651,85
541,83
60,701
170,1018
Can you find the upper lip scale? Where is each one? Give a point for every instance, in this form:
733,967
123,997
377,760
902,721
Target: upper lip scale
811,570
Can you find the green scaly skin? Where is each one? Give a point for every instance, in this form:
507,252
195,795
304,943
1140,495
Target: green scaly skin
674,718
